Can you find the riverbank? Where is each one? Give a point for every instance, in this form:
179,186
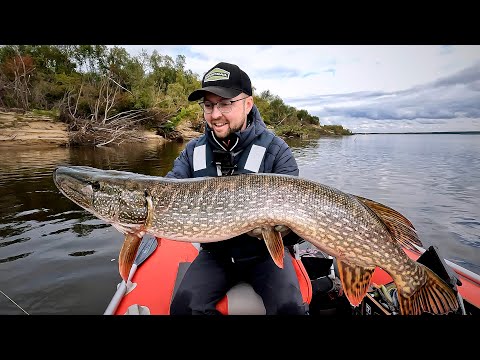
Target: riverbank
29,129
18,128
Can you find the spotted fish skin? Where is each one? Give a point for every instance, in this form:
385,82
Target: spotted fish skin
360,233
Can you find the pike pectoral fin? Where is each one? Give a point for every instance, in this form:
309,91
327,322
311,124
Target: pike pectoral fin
127,254
355,281
274,242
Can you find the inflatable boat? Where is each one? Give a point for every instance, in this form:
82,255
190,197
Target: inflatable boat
161,263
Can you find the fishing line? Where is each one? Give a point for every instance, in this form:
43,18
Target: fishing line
14,302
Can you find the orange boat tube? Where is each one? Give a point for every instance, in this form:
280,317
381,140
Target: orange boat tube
152,286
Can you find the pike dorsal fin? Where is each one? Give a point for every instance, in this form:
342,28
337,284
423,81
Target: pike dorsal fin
274,242
355,281
399,226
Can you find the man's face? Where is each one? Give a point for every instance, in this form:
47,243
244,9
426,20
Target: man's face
226,123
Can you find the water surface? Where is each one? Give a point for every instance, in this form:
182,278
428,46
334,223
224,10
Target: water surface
56,258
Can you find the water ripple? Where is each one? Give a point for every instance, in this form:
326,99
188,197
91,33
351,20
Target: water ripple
82,253
16,241
16,257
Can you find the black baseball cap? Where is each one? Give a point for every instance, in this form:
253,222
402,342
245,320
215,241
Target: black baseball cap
225,80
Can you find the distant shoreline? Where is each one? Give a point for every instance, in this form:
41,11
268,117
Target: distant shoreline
419,133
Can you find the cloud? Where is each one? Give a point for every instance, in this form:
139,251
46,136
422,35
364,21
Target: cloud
449,98
386,88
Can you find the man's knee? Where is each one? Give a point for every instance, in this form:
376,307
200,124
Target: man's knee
292,308
180,304
285,299
184,303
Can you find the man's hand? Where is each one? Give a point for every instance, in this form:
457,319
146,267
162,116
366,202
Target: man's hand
257,232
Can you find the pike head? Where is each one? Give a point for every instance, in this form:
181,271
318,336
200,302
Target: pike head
120,198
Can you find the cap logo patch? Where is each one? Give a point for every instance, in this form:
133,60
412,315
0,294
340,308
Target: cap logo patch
217,74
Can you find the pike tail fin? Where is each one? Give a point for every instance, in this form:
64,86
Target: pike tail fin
434,297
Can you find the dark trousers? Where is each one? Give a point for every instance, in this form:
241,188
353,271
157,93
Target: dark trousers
212,274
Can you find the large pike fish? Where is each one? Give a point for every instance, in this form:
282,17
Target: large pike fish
360,233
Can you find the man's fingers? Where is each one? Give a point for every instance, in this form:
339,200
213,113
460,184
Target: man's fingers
257,232
281,228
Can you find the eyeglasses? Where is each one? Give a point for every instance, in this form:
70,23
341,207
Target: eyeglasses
224,106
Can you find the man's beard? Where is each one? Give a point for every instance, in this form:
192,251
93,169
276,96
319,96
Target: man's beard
229,132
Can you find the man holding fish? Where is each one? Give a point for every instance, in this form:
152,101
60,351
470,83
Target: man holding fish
235,141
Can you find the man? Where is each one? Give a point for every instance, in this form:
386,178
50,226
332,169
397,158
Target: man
236,141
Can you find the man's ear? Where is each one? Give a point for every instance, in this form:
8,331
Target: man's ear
249,104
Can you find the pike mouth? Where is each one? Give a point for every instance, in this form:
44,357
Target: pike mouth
79,191
80,184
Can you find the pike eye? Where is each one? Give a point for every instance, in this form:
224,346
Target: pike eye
95,185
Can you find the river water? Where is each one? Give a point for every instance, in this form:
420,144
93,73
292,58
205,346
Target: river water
56,258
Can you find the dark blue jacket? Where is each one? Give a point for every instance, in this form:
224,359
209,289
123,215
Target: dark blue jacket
277,158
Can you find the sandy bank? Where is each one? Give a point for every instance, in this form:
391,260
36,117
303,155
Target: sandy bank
17,129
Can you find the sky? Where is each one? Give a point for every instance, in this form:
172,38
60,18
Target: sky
364,88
